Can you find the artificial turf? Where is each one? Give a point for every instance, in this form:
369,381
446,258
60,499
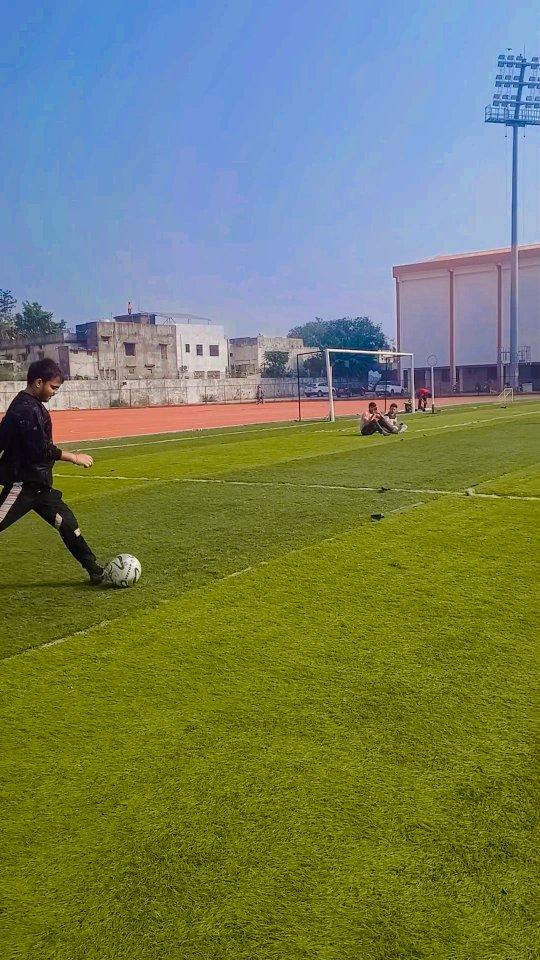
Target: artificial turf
326,756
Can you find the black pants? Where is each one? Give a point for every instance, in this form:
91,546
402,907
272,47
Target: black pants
373,427
17,499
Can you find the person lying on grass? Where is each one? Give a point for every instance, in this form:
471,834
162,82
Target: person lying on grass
374,422
27,455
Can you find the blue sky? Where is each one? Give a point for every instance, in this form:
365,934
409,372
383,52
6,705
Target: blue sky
259,163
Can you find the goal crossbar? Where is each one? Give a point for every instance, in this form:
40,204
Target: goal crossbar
381,355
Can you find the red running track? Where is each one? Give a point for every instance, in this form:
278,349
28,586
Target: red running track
78,425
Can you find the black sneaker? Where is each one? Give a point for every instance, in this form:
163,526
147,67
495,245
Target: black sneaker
97,575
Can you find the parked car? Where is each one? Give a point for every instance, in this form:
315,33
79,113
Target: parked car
349,391
318,390
388,389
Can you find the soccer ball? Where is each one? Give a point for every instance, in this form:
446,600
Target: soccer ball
123,570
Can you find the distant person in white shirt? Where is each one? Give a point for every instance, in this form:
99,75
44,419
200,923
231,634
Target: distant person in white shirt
373,422
390,420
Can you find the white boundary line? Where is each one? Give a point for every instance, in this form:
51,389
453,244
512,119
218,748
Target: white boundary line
311,486
263,563
160,603
199,434
164,600
204,434
239,573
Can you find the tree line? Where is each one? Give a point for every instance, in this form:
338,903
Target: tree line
347,333
31,321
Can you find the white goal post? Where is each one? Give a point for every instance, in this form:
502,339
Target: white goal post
507,395
382,356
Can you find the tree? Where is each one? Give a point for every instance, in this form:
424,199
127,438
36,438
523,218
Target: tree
347,333
7,319
34,321
275,363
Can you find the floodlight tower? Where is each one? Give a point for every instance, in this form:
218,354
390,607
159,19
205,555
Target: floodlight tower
518,106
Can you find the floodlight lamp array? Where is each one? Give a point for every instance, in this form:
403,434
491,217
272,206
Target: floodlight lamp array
516,100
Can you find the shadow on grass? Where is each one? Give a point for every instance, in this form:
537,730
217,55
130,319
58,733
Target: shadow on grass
40,584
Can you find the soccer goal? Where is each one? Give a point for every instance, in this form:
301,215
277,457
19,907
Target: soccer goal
398,362
507,395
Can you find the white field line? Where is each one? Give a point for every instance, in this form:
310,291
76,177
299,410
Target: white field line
239,573
228,576
407,507
105,623
160,603
200,433
165,600
310,486
448,426
203,434
375,443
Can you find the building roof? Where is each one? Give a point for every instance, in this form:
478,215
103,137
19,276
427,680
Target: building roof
449,261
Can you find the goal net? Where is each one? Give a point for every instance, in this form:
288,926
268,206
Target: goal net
338,382
507,395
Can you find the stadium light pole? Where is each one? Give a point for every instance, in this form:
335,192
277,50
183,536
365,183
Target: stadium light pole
519,78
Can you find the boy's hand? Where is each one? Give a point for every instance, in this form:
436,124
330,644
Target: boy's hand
79,459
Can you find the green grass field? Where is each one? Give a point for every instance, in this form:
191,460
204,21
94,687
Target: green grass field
304,735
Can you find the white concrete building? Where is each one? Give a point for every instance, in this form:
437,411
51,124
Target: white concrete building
247,354
201,350
457,308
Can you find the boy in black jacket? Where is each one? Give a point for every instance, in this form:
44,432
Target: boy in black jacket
27,455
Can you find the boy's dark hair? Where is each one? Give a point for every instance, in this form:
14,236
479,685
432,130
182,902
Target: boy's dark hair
394,404
45,370
372,404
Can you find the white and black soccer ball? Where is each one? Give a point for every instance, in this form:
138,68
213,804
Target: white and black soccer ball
123,570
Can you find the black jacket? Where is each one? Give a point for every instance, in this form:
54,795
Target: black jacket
27,453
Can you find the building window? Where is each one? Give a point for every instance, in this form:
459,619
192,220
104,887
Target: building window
129,349
199,350
214,374
130,369
214,349
163,350
186,348
198,374
105,339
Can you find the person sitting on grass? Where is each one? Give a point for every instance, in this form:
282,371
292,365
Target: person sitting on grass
373,422
391,422
27,457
